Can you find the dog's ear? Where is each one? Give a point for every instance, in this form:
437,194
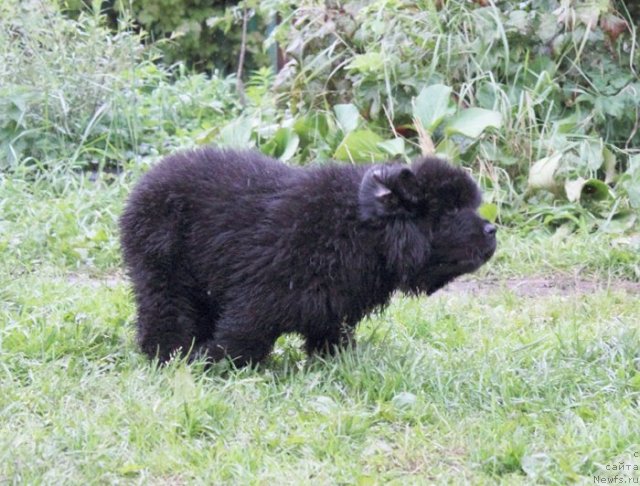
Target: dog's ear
388,191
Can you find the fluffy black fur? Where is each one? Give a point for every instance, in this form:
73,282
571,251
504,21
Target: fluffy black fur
228,250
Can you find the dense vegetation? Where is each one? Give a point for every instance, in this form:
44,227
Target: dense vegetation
540,97
528,374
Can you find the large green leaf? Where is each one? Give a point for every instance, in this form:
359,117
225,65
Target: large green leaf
393,147
236,134
283,144
542,172
360,146
432,105
591,153
573,189
348,117
312,126
586,190
473,121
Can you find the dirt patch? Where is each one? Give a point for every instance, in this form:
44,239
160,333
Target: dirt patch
537,286
534,286
93,281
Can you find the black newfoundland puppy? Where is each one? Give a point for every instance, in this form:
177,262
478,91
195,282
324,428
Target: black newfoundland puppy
227,250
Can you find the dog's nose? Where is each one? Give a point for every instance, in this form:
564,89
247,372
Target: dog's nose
490,229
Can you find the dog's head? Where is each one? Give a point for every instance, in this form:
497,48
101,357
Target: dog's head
432,231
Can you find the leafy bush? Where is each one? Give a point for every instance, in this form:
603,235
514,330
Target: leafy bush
559,75
57,78
540,96
75,95
204,35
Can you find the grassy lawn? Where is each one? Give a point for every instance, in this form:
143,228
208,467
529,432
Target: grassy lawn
527,373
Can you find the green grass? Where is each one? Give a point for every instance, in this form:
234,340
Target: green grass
459,388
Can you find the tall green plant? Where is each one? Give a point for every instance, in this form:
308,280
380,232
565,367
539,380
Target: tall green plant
559,74
57,80
75,95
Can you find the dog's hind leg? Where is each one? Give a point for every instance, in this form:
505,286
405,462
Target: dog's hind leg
240,337
167,316
329,339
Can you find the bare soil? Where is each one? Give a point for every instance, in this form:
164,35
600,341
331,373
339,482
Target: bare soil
532,286
540,286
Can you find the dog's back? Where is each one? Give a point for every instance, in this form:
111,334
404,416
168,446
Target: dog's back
211,179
